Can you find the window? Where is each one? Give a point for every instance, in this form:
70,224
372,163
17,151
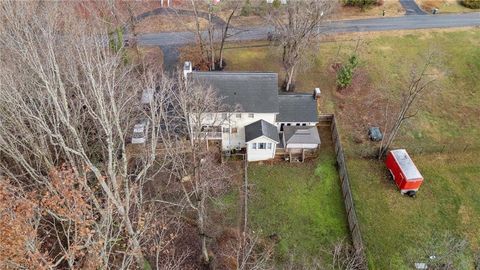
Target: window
226,130
304,124
262,145
254,146
289,124
224,116
281,127
234,130
298,124
251,115
239,115
269,145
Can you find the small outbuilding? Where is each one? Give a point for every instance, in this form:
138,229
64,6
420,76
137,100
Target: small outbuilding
300,140
405,174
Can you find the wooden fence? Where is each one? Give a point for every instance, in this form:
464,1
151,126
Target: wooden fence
353,223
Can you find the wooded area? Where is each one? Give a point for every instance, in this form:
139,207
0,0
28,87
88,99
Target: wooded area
73,192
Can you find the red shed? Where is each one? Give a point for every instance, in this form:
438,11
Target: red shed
404,172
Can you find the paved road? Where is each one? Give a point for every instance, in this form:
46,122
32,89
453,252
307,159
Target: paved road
364,25
170,41
411,7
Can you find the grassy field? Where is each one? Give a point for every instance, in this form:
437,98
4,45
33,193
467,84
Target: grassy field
300,203
442,139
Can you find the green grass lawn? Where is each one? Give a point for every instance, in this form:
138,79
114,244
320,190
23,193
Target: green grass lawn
393,226
302,204
396,227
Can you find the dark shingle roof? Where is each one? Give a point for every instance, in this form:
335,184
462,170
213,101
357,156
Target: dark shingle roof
261,128
246,92
297,108
306,135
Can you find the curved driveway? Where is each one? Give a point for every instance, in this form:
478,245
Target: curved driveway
411,7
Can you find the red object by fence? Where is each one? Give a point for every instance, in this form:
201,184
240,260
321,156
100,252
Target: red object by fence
404,172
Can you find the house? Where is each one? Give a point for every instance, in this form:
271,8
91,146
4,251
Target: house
256,115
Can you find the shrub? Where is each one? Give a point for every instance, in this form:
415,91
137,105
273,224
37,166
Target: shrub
246,9
345,74
471,3
116,39
362,3
276,3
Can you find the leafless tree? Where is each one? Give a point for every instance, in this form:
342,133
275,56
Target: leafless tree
251,255
420,81
198,30
443,252
66,98
196,169
345,257
298,26
217,34
234,6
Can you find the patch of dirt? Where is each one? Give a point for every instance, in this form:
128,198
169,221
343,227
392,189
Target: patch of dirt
464,212
359,105
189,241
428,5
359,81
148,56
225,249
392,8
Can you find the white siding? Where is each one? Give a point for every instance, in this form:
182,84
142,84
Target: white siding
302,146
309,124
260,154
232,140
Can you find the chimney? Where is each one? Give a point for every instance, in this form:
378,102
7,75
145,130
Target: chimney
187,68
316,93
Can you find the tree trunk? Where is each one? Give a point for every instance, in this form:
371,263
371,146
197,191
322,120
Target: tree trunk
211,37
289,80
224,36
201,225
197,32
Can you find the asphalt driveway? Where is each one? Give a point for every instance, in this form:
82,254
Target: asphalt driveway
411,7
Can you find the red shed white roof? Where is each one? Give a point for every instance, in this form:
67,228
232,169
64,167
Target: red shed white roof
406,164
